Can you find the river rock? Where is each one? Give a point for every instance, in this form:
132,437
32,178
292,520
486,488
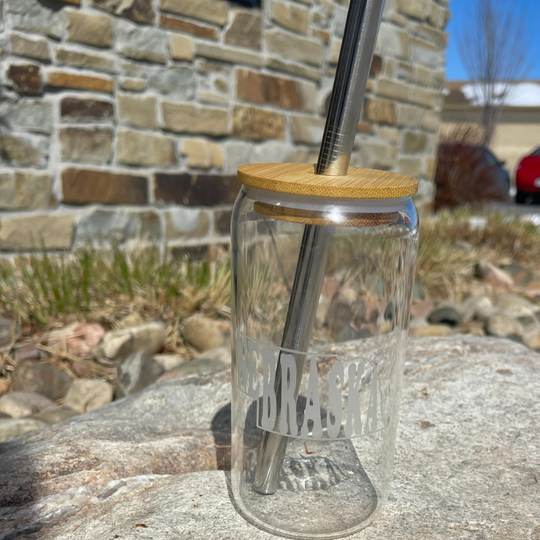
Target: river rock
136,373
55,414
466,401
432,330
38,378
169,361
199,366
477,307
500,325
15,427
203,333
515,306
5,385
8,332
21,404
85,395
493,275
447,313
29,351
78,338
118,345
420,309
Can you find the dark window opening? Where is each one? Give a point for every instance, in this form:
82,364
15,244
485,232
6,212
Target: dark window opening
255,4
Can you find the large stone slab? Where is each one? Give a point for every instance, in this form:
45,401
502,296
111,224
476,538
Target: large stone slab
468,453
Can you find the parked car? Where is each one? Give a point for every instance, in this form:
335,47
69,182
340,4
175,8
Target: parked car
528,178
469,174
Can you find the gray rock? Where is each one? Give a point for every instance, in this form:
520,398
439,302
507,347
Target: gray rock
27,352
500,325
38,378
85,395
522,276
466,401
175,81
135,373
8,332
515,306
15,427
141,43
493,275
477,307
55,414
199,366
118,345
173,427
35,17
203,333
446,314
169,361
21,404
419,292
28,115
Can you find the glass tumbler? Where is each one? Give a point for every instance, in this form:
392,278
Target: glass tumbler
323,272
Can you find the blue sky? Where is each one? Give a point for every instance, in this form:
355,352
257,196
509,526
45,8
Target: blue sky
460,10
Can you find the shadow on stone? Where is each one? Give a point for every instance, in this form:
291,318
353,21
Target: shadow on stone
221,430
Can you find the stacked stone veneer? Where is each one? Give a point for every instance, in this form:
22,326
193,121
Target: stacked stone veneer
128,118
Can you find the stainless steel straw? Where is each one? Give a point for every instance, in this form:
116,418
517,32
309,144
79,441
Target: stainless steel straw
352,74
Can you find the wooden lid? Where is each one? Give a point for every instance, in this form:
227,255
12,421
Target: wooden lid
300,179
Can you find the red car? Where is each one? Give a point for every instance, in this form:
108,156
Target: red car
528,178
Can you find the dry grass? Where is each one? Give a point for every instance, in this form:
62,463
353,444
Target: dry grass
103,286
443,263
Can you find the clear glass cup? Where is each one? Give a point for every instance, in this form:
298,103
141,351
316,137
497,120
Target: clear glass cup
332,406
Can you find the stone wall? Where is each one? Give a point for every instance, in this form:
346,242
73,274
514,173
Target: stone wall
128,119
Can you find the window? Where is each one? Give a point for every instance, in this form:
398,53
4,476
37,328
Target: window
536,153
246,3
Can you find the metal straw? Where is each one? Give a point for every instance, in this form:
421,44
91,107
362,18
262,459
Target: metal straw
352,74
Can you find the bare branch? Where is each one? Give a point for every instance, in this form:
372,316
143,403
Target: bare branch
495,51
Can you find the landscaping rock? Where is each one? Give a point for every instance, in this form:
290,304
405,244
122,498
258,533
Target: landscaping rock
515,306
27,352
133,319
522,276
5,385
203,333
55,414
33,376
534,342
8,332
421,309
12,428
419,292
446,314
169,361
21,404
136,373
477,307
77,339
118,345
418,322
51,485
433,330
500,325
85,395
340,312
197,367
475,328
493,275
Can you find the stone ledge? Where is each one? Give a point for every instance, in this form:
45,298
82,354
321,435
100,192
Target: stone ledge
467,452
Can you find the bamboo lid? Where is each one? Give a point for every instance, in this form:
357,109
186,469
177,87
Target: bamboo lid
300,179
